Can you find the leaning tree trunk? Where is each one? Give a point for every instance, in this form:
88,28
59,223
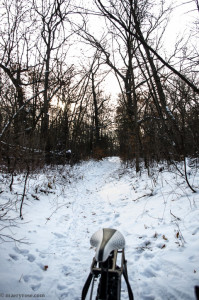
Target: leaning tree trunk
175,133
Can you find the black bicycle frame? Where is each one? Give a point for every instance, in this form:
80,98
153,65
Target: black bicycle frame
109,274
110,277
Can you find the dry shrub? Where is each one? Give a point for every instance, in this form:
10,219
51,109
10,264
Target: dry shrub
99,153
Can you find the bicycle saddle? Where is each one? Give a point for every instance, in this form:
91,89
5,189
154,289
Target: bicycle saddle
106,240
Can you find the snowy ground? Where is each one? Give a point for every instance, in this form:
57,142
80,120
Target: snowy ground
63,207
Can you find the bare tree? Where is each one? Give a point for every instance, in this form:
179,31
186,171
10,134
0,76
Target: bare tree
52,16
133,6
15,54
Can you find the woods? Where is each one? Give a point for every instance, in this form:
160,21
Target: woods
99,128
57,67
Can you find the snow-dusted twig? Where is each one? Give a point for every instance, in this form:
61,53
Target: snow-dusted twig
184,175
48,219
175,216
187,180
24,192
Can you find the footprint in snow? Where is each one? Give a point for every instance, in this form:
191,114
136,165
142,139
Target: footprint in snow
29,278
61,287
117,224
42,255
148,273
117,215
31,257
23,252
195,231
60,236
136,257
148,255
156,267
13,256
65,270
63,296
148,297
35,287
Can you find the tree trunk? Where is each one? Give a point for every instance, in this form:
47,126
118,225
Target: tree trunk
96,112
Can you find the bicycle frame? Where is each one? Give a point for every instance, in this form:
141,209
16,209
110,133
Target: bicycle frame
109,245
110,276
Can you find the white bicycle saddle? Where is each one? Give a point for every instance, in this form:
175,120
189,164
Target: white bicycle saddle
105,241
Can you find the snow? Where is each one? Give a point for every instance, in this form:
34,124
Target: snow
157,214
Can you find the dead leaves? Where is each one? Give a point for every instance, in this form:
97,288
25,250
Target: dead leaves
164,238
50,185
155,235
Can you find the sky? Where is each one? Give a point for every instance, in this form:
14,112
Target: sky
181,22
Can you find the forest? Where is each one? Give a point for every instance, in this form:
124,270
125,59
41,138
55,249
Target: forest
99,128
58,60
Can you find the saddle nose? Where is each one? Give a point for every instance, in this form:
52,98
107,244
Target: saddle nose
105,241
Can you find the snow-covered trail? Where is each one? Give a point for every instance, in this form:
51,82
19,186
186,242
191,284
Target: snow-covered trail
158,217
